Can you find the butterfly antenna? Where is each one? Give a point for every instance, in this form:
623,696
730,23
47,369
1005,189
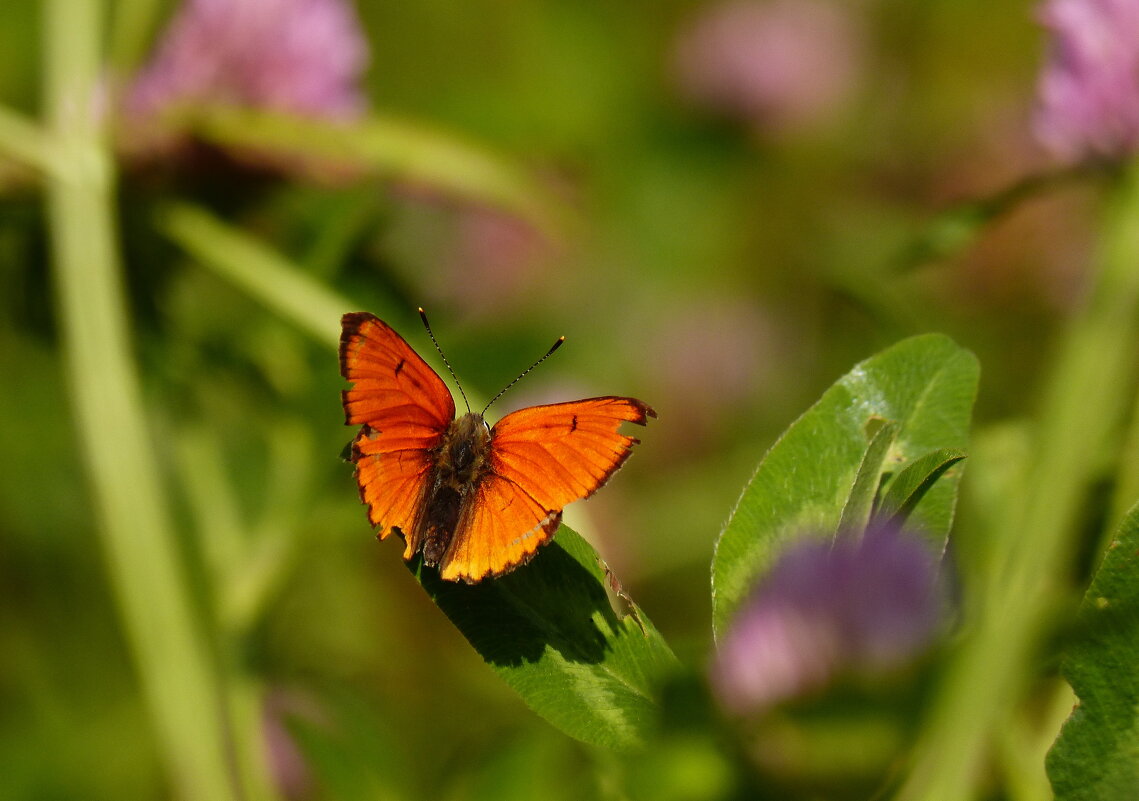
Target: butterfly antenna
553,347
427,325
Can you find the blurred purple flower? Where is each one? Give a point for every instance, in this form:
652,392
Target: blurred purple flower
493,258
712,340
302,57
782,64
1089,87
860,606
287,766
482,259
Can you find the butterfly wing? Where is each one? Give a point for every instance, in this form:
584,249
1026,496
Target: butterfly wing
405,409
541,459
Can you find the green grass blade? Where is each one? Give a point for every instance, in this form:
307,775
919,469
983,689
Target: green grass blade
1036,532
388,147
174,661
23,141
257,269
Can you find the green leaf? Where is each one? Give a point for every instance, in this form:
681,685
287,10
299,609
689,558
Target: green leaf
856,512
1096,756
549,631
908,486
924,385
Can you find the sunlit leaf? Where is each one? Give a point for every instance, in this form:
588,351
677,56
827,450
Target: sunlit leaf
924,385
549,630
1097,754
860,502
909,485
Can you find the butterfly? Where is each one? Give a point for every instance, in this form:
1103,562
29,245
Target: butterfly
476,501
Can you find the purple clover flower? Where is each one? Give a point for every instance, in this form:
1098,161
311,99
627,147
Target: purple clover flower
303,57
783,64
1089,88
864,605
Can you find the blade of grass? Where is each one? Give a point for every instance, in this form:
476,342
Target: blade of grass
210,497
23,141
175,666
384,146
1083,404
255,268
273,280
276,535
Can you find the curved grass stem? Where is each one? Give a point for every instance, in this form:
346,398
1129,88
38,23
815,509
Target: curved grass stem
1036,533
176,667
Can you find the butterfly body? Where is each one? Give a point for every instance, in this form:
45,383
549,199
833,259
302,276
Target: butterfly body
460,465
475,501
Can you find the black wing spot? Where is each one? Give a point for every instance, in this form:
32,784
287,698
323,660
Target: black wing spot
399,366
573,424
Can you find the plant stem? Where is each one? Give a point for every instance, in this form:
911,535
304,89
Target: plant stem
175,667
1036,532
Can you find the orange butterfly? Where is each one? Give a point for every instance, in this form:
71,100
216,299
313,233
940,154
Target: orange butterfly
477,501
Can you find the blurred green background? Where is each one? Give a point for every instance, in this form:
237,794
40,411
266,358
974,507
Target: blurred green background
725,268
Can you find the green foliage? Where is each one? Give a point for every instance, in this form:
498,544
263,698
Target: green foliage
905,488
173,509
385,147
859,504
895,411
1096,757
549,630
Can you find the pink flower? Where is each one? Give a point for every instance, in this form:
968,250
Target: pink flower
780,64
299,56
1089,87
864,605
479,258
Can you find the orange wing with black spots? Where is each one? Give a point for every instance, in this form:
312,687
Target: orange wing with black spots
541,458
405,409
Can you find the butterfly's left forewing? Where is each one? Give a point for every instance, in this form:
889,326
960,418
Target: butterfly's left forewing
540,459
404,408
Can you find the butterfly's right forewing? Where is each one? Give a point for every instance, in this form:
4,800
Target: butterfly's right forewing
405,409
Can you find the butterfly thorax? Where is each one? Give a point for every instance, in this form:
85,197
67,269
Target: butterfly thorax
464,451
461,463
